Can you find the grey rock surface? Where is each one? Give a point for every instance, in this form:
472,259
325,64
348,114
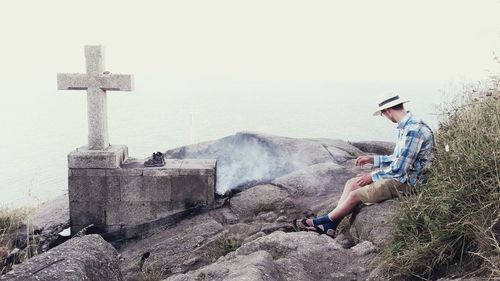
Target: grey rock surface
371,223
258,199
375,147
247,159
167,250
85,258
49,219
284,256
316,180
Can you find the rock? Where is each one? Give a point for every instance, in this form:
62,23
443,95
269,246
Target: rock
283,256
258,199
282,219
85,258
253,237
379,274
166,251
364,248
375,147
247,159
340,150
345,241
371,223
316,180
49,219
241,231
268,216
257,266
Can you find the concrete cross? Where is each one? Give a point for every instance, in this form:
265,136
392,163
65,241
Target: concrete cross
96,82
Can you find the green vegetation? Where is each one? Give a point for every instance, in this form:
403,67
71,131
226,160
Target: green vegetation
453,222
16,232
222,246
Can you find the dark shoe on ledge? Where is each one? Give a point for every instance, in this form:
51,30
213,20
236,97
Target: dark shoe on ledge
157,160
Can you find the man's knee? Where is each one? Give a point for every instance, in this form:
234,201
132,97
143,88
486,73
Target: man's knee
353,196
351,184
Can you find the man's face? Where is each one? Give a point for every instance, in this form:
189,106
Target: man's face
389,114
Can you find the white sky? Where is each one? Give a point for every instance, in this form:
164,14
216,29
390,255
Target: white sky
249,40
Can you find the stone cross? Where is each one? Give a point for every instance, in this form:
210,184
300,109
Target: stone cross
96,82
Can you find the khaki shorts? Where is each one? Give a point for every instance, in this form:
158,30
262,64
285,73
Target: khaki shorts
382,190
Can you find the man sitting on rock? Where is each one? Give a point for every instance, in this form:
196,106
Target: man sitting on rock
398,173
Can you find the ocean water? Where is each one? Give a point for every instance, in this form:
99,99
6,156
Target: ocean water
40,128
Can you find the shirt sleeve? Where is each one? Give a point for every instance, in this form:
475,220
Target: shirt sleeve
413,143
383,160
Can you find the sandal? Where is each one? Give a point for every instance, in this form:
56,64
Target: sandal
302,225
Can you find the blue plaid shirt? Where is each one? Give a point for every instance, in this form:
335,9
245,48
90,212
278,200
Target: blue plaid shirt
411,154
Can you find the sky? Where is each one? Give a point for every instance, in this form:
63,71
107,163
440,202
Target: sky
222,40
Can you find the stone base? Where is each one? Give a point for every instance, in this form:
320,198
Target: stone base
125,198
111,157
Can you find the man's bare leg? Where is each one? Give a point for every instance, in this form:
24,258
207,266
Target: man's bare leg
349,186
343,209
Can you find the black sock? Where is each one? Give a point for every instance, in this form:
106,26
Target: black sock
321,220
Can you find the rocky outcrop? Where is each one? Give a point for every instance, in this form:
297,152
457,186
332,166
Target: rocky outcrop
287,256
250,237
85,258
48,220
375,147
371,223
247,159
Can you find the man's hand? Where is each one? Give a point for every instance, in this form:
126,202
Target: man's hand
361,160
364,179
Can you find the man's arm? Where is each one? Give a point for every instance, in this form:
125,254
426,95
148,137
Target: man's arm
383,160
413,143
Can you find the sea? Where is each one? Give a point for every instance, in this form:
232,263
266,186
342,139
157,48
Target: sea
39,128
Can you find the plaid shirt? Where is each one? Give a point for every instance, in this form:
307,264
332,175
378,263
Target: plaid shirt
411,154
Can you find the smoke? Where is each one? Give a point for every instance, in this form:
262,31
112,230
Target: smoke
247,158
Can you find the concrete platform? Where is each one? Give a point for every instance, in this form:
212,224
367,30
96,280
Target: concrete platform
131,195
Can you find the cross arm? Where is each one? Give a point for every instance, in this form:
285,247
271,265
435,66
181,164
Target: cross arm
115,82
110,82
72,81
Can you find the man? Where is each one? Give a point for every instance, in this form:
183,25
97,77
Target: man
398,173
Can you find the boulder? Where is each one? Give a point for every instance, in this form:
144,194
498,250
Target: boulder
375,147
256,266
370,223
258,199
340,150
49,219
247,159
285,256
187,245
85,258
316,180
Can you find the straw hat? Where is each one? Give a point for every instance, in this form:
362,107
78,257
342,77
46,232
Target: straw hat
389,101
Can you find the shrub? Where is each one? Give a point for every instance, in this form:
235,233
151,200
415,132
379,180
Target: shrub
453,222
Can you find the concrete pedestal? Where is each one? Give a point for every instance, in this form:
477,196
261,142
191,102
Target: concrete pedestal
111,157
130,195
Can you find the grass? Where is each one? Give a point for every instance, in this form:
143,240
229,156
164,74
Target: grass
16,231
452,224
222,246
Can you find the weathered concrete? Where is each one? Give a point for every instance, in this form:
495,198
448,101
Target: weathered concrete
131,195
96,82
108,158
85,258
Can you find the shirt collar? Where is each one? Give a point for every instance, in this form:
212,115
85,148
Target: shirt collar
405,120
